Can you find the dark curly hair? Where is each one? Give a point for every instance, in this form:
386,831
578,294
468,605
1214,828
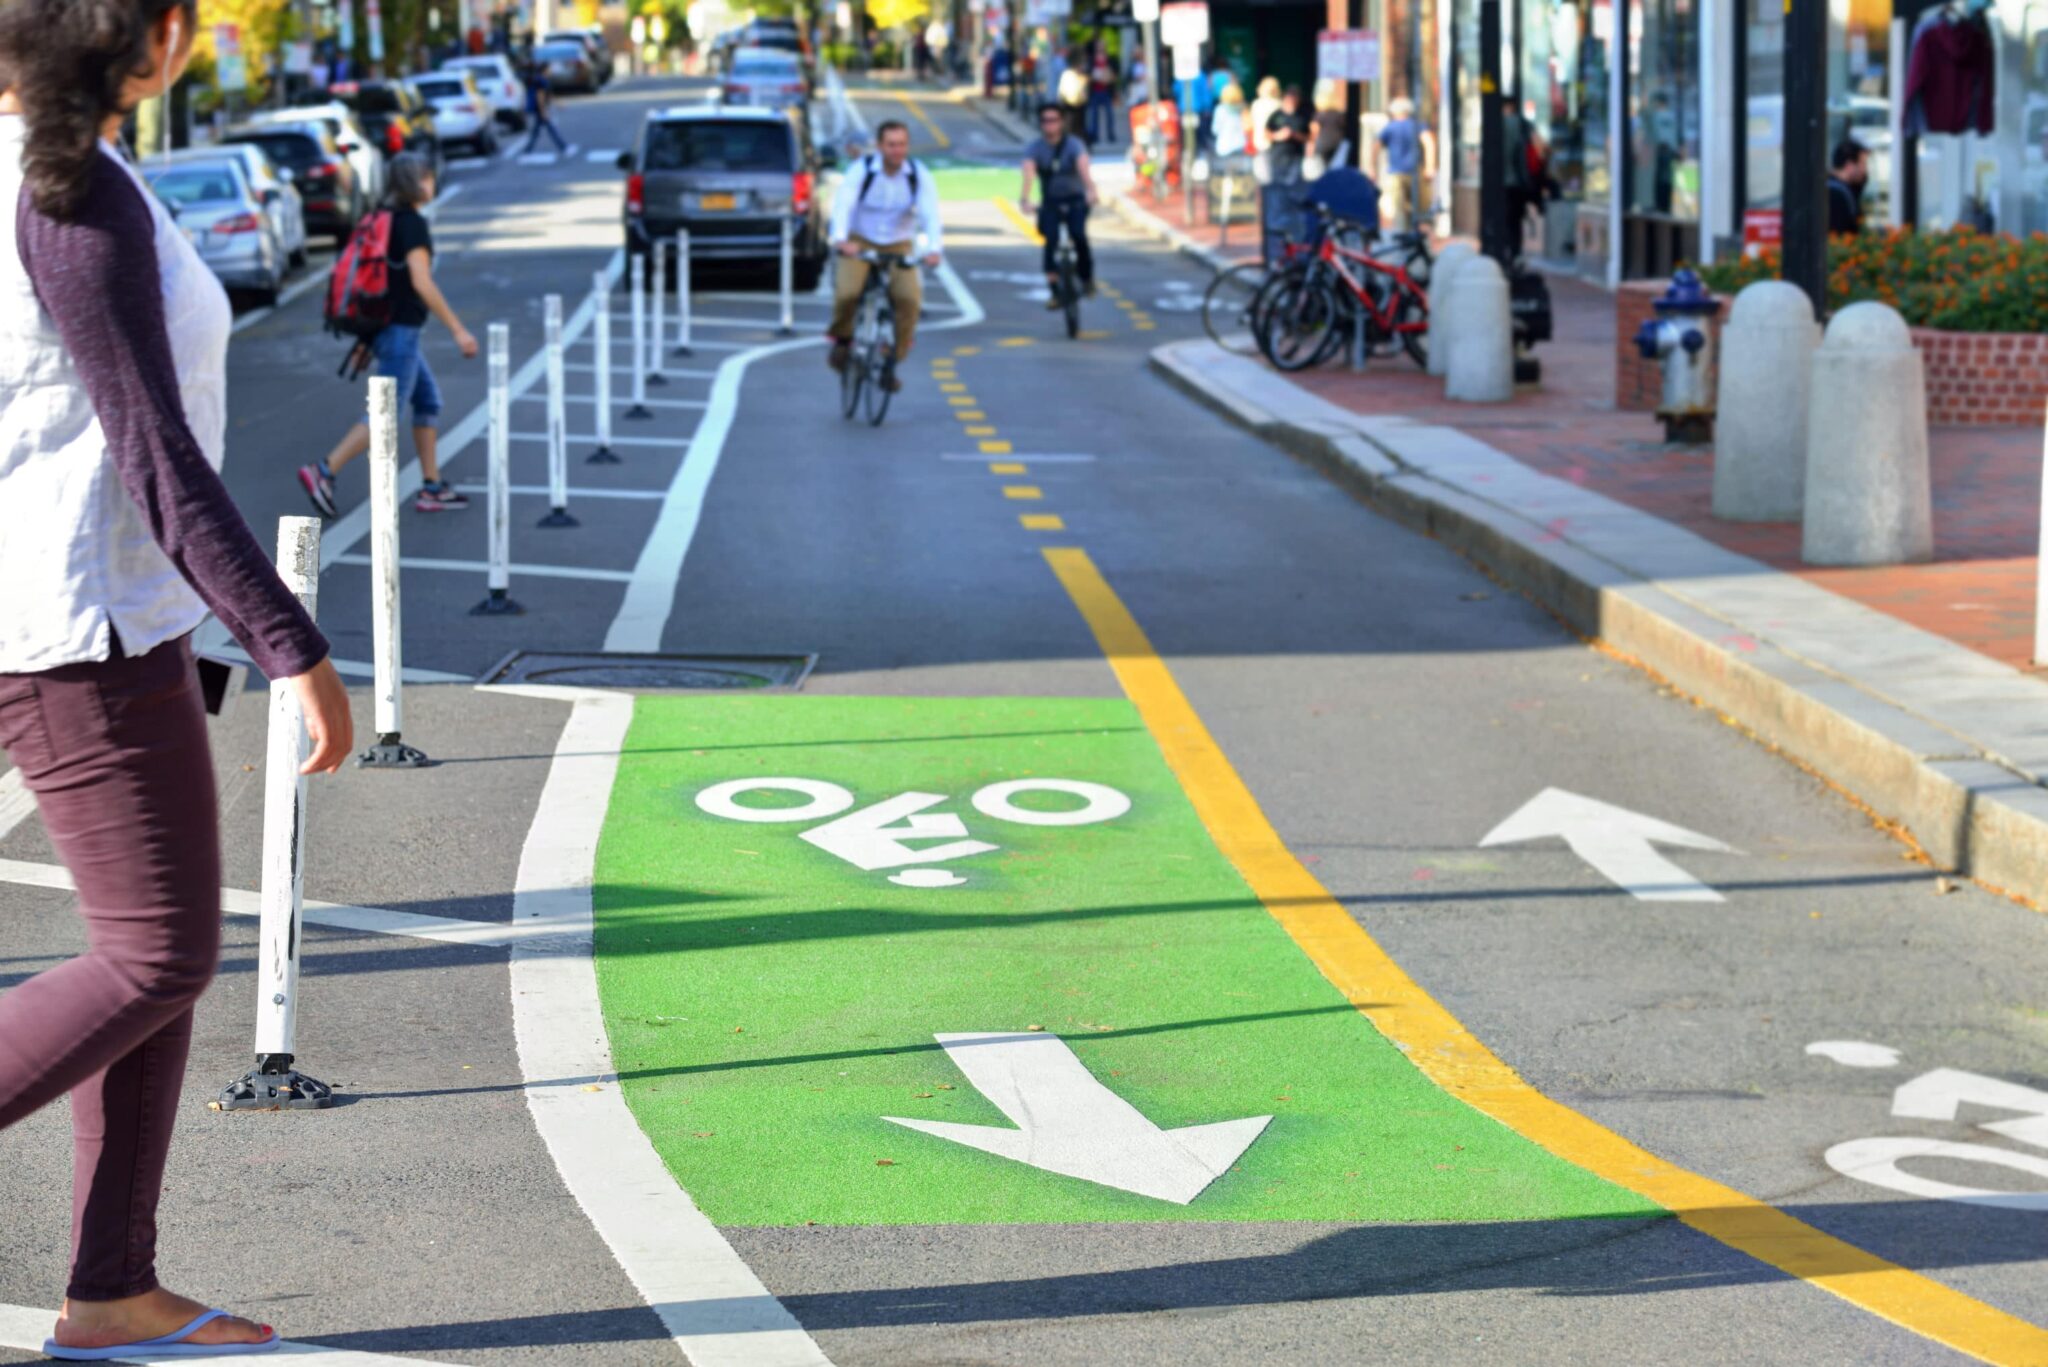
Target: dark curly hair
66,61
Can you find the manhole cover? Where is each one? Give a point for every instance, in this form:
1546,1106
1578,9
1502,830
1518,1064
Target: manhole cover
621,670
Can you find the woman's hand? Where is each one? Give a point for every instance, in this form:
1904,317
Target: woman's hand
465,343
323,702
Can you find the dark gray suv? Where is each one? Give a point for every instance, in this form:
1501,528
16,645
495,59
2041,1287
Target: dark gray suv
729,176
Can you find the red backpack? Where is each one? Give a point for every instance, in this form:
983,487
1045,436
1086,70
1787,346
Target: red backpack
359,290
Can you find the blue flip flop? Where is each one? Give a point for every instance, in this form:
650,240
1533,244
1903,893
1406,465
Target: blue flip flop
169,1346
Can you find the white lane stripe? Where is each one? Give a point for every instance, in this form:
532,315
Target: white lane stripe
542,491
590,438
707,1297
651,403
601,154
333,915
315,276
25,1328
351,527
626,368
17,803
409,562
357,669
652,593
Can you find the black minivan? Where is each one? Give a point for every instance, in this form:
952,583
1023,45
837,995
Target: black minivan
729,176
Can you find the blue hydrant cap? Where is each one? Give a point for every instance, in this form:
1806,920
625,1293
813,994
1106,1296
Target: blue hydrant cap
1646,338
1687,295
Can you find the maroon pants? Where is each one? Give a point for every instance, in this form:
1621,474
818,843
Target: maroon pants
117,757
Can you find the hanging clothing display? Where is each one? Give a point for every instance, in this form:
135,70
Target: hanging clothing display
1950,77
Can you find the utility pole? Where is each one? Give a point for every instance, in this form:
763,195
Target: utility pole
1496,234
1146,12
1354,91
1806,150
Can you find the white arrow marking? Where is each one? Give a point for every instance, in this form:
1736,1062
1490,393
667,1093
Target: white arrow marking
1621,844
1069,1123
872,838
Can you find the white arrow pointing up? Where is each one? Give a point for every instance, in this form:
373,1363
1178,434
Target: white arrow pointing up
1620,843
1069,1123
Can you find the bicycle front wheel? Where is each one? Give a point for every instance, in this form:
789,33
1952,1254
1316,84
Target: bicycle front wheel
875,397
1301,324
1070,300
1227,307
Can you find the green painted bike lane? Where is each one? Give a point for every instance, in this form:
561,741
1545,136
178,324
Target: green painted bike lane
796,896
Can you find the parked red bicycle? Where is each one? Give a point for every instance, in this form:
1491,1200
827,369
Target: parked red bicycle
1305,315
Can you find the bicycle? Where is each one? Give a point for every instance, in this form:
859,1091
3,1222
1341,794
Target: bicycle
1307,313
871,356
1228,313
1067,290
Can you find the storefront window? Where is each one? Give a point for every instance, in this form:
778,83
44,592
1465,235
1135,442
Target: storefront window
1564,92
1465,71
1859,48
1664,108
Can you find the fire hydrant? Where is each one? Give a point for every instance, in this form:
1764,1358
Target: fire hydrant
1677,338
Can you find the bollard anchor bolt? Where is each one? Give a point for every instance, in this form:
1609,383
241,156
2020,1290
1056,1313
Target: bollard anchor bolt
392,753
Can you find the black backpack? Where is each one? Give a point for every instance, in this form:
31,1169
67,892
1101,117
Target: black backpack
874,168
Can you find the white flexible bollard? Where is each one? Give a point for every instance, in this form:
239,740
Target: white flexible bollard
558,420
1868,496
1446,265
637,280
682,292
787,264
1481,365
1760,406
274,1084
601,331
498,492
387,644
658,299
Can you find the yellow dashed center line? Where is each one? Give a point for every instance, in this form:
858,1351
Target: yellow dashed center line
1006,467
960,401
981,431
996,448
1029,493
970,415
1018,341
952,387
967,351
1041,522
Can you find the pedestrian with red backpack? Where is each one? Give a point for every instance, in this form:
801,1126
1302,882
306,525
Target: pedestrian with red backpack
381,294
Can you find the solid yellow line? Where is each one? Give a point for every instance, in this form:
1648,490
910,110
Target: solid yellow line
1456,1061
1006,467
1022,224
938,134
1041,522
1027,492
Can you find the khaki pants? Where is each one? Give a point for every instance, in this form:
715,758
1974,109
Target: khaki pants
1397,201
906,294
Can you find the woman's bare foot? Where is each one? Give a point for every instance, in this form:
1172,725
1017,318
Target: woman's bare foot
134,1319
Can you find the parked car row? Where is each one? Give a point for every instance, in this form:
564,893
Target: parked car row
240,210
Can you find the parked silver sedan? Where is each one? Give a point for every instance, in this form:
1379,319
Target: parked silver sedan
274,186
220,213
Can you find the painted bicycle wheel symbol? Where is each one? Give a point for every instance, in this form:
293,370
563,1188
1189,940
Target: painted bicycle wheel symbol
1941,1095
875,837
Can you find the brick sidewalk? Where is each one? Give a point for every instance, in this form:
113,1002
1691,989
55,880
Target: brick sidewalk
1978,592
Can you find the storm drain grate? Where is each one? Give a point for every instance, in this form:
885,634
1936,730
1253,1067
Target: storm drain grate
625,670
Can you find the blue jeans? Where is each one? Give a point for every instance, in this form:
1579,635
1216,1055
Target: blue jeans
397,349
544,123
1102,117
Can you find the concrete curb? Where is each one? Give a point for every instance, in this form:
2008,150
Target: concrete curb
1970,809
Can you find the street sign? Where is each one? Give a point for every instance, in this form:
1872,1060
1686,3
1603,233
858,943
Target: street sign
1145,11
1184,24
1347,55
1761,229
230,67
373,15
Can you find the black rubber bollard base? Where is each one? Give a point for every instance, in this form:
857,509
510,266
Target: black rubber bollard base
290,1090
392,753
558,517
603,455
656,377
683,351
499,604
639,412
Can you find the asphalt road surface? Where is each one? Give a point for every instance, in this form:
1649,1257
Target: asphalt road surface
1770,995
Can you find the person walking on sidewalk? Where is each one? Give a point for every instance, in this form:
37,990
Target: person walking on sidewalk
1059,162
116,538
1102,81
540,106
885,203
396,348
1287,138
1264,106
1407,159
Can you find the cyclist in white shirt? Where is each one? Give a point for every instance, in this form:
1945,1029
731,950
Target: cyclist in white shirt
885,203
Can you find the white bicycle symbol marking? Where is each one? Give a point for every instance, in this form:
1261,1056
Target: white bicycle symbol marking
1941,1095
873,838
